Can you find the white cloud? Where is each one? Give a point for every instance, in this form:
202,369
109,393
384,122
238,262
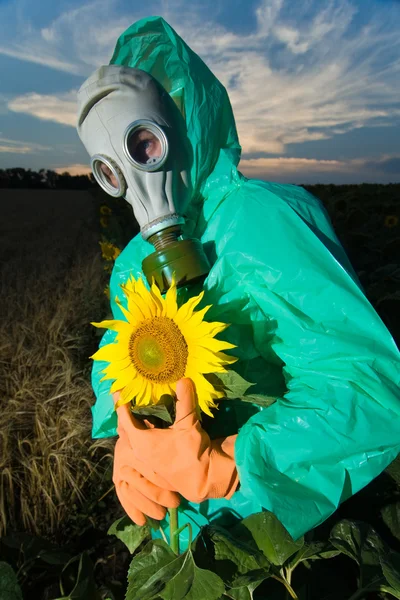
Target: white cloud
295,79
304,170
76,169
59,109
76,41
304,73
265,167
16,149
267,14
291,37
19,147
41,59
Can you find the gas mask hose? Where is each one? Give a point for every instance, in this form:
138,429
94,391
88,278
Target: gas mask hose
183,258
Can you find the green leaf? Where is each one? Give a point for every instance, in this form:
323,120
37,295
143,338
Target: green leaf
147,575
259,399
360,542
394,470
32,547
132,535
85,586
253,578
193,583
391,518
157,572
226,547
243,592
9,588
54,557
160,411
231,383
391,569
153,523
313,551
390,591
271,537
234,386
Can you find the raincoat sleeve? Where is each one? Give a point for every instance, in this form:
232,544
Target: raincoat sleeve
104,417
337,426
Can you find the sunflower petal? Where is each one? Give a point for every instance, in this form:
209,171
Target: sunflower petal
136,307
157,297
140,391
115,387
115,325
118,369
170,303
211,329
186,310
198,316
128,316
226,358
198,365
110,352
202,330
144,398
124,377
130,284
205,394
210,343
147,298
129,392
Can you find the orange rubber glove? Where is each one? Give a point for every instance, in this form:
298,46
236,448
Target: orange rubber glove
138,496
181,458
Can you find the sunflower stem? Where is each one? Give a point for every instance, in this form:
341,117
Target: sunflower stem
173,530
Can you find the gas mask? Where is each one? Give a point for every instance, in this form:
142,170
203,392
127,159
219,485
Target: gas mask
136,139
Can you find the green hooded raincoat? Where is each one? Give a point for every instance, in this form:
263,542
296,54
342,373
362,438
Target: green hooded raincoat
304,330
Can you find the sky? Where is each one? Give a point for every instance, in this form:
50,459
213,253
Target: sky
314,84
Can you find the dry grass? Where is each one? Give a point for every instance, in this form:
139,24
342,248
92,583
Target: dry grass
48,461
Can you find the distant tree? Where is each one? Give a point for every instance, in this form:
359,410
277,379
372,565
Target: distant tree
44,179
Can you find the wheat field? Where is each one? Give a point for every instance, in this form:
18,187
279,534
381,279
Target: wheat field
51,287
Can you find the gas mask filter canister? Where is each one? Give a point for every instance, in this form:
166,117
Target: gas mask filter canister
136,138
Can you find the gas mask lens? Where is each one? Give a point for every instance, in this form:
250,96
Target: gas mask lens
108,175
146,145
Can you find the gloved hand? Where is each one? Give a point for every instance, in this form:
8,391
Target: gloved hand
138,496
181,458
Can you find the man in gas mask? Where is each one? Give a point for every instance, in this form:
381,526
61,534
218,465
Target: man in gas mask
160,131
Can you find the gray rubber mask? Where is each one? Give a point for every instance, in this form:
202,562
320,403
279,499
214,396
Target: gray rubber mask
136,139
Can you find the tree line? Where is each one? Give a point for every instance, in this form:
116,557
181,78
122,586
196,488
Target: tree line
47,179
44,179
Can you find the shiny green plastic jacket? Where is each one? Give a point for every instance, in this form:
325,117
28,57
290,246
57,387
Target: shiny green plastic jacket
304,330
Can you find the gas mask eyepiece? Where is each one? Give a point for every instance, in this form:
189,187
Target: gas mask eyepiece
145,145
108,175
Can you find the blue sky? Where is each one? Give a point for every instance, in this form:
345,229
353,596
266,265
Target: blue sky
314,84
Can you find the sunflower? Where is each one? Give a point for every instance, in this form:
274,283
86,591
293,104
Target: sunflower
109,251
105,210
391,221
159,343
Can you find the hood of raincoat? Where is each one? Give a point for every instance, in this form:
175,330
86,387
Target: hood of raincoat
153,46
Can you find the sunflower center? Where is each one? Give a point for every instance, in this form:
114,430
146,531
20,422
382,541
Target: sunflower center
158,350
